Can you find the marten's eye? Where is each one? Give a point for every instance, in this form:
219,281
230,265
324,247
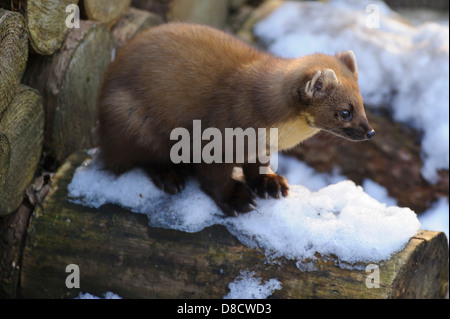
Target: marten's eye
346,115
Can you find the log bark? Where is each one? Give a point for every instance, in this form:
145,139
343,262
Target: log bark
117,251
5,158
108,14
45,21
133,22
13,229
69,82
13,55
22,125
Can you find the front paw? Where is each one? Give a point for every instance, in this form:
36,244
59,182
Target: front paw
170,179
273,185
241,200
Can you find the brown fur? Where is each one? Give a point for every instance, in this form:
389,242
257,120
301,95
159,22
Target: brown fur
172,74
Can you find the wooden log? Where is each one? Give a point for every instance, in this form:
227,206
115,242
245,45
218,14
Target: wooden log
5,158
13,55
22,125
133,22
13,229
209,12
106,12
159,7
69,82
46,24
260,13
117,251
45,21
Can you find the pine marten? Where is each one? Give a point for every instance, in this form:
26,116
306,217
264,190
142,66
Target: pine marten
170,75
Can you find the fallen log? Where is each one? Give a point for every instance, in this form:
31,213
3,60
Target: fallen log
13,55
109,14
115,250
69,82
45,21
22,127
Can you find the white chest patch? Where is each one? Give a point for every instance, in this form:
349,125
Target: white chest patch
293,132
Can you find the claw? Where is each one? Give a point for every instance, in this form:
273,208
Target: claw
272,185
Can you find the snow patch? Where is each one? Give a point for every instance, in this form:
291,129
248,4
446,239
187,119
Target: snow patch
107,295
248,286
339,219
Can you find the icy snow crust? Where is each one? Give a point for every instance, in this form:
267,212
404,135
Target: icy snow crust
339,219
248,286
107,295
400,66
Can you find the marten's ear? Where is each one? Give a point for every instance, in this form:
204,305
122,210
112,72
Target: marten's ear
349,60
320,81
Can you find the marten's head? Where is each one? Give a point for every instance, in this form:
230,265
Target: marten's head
332,97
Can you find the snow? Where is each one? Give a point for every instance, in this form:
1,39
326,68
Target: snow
248,286
298,172
401,66
339,219
107,295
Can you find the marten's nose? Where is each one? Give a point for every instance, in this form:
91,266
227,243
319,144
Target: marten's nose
371,134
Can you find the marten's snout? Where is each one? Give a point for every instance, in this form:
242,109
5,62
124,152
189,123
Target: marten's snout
367,131
370,134
362,132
